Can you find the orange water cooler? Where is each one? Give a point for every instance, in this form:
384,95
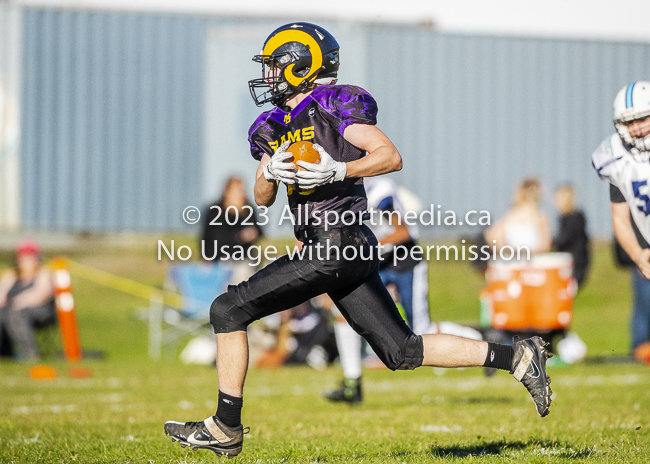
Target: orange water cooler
532,295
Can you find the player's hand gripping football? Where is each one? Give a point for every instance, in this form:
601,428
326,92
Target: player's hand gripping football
327,171
280,167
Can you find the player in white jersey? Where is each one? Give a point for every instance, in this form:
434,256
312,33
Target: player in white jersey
408,276
623,159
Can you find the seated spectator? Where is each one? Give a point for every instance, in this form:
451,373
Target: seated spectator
26,300
303,334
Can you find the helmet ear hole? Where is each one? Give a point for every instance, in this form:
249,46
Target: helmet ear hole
302,65
301,72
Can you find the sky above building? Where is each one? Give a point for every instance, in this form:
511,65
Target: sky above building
593,19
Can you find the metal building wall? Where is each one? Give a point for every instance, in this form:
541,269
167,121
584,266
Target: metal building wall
112,119
472,115
10,78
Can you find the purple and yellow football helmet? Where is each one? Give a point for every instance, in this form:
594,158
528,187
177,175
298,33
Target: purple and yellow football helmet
294,57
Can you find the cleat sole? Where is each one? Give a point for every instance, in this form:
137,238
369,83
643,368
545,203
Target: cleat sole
544,396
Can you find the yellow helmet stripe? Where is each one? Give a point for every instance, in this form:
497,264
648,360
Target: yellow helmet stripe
292,35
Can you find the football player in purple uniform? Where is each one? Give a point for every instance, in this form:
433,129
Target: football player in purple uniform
300,62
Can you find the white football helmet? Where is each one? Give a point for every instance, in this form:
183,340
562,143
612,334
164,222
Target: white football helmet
633,102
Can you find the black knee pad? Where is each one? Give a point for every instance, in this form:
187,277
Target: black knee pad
226,317
413,352
406,355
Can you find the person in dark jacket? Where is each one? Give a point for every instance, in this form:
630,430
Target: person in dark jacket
230,229
572,234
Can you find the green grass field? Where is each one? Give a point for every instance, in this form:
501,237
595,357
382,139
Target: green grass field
600,412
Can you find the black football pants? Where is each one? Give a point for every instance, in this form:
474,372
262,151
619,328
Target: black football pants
353,283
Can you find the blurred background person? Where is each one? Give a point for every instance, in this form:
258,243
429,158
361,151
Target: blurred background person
26,300
235,224
304,336
524,224
572,233
407,275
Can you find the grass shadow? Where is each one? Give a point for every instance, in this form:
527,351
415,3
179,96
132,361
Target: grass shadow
522,451
499,400
505,447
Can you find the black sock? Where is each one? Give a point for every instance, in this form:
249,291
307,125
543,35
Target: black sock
499,356
229,409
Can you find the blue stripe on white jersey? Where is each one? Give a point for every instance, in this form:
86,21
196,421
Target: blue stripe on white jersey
628,95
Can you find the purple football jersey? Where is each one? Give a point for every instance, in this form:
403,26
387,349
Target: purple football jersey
320,118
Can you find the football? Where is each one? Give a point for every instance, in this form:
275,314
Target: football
303,151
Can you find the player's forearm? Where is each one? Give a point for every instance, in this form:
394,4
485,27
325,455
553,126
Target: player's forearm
624,231
628,241
265,191
382,160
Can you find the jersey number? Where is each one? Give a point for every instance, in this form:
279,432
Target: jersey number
645,200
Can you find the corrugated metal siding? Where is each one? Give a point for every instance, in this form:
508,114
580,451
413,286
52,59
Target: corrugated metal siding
115,128
473,115
112,119
10,77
